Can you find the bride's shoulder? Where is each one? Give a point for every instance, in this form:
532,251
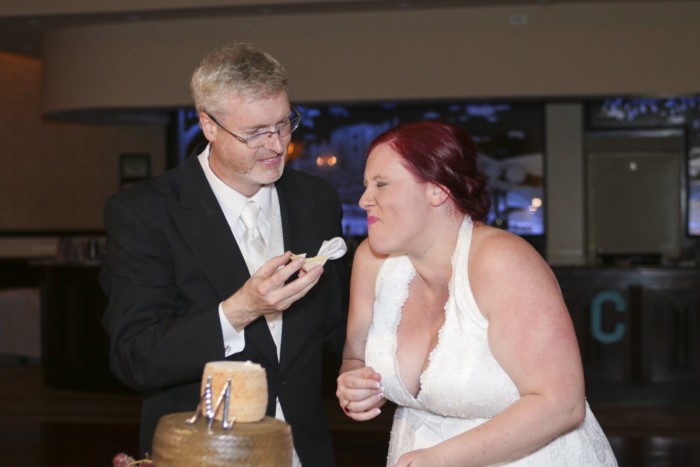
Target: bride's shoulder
493,247
486,236
366,259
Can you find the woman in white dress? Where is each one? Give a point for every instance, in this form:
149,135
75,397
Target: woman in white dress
462,325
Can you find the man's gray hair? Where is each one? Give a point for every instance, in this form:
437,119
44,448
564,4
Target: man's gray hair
235,68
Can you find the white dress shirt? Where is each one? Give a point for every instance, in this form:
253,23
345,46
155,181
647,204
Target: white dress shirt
270,226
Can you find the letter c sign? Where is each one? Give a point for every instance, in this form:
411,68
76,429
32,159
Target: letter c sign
597,316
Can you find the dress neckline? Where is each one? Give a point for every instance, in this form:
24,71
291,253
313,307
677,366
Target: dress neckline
464,234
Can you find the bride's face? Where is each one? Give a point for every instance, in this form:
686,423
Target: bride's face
397,203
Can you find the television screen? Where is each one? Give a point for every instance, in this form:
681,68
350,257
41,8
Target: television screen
657,113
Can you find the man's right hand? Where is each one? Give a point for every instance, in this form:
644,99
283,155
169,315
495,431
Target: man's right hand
267,291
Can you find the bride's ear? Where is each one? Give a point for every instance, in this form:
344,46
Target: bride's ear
439,194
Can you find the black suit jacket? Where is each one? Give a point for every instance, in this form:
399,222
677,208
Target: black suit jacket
171,259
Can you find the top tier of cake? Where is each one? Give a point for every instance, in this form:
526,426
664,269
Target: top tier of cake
248,390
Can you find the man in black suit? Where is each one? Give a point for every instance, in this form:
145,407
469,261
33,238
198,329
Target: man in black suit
183,287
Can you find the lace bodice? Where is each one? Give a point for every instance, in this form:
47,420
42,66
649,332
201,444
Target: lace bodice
463,384
461,362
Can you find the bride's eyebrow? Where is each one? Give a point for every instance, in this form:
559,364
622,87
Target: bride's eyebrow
373,178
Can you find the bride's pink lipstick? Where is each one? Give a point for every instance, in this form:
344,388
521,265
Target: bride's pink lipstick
371,220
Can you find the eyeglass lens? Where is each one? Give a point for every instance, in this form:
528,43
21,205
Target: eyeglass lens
284,129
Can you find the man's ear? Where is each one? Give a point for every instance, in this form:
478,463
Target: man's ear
209,128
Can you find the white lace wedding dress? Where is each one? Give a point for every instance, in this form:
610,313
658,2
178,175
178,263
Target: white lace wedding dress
463,385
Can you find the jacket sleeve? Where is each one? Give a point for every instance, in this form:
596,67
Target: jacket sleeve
155,340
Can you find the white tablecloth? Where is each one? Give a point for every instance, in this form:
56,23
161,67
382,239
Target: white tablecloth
20,322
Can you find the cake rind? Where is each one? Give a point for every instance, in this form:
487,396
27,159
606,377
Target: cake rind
262,444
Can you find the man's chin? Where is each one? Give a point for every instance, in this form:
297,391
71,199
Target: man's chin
270,174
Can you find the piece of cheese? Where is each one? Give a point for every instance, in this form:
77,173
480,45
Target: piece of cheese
311,262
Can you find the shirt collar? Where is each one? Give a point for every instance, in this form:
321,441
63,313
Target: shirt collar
234,201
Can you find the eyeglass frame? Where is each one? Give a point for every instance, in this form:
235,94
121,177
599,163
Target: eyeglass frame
293,125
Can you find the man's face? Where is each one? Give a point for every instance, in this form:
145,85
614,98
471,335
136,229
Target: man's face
244,169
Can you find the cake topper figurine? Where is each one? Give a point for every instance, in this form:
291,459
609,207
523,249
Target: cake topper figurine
210,409
207,402
226,423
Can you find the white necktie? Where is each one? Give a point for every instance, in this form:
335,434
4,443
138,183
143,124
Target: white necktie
254,244
255,248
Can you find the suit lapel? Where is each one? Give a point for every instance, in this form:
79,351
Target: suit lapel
204,227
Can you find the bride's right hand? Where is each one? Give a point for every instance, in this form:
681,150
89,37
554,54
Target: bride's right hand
360,393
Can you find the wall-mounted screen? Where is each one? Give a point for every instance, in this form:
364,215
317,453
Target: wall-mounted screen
660,113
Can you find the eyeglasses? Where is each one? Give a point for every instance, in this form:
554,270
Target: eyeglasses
284,128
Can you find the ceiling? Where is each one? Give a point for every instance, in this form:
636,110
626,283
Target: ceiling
24,22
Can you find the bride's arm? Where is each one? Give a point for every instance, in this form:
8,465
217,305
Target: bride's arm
358,384
532,337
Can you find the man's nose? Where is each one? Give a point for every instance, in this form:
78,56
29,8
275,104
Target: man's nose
274,142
